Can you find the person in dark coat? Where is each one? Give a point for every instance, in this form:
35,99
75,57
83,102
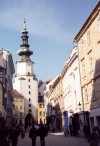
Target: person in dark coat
86,132
71,129
33,134
4,137
42,134
14,133
4,133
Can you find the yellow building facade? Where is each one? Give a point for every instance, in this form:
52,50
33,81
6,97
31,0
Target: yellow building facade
88,42
18,108
41,112
58,100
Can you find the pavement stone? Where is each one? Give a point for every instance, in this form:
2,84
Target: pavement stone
55,139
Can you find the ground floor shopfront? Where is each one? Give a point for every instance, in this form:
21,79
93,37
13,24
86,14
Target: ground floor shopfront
94,117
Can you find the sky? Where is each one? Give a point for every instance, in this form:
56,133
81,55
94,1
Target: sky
52,26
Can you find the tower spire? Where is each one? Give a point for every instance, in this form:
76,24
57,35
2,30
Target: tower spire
24,51
24,23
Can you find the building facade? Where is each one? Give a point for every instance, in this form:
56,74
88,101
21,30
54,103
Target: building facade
2,87
73,104
57,91
41,107
6,76
49,103
88,42
18,108
25,80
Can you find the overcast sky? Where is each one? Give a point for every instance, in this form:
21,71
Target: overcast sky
52,26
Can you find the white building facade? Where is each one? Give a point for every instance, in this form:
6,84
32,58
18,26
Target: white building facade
7,77
25,80
71,87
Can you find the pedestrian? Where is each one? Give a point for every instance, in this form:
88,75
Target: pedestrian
33,134
43,132
71,129
86,132
14,133
94,139
22,131
4,134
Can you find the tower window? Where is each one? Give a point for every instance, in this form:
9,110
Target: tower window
28,73
29,105
28,80
29,99
29,86
29,92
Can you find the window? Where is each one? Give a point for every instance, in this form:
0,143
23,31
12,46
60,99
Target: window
28,80
88,38
75,99
20,114
81,46
44,113
99,24
94,94
20,106
40,113
29,86
16,106
1,76
21,100
83,69
39,93
50,87
40,105
28,73
29,105
29,92
86,95
29,99
90,62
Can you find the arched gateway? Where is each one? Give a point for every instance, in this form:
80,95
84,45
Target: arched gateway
28,120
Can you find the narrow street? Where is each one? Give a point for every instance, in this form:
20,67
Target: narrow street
55,139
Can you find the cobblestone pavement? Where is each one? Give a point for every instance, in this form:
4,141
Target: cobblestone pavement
55,139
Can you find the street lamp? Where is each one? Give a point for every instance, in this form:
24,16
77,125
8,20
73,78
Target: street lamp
79,105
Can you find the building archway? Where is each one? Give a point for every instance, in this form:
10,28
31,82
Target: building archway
29,119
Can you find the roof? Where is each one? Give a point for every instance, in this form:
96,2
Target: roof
16,93
49,81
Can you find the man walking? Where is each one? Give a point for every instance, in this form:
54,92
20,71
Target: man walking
14,133
33,134
42,132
